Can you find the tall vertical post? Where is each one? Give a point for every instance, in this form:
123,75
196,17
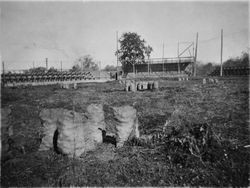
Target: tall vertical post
46,60
221,53
3,81
116,55
178,49
178,52
148,65
195,57
163,58
3,66
99,69
193,48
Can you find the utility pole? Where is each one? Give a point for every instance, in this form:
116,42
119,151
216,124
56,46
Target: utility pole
3,73
46,63
178,50
99,69
178,57
221,53
163,58
193,49
193,60
116,55
148,65
195,57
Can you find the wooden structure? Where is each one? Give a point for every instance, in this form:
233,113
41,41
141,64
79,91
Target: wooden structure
19,78
159,65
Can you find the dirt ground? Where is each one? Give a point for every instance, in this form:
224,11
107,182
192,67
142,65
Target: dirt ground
223,106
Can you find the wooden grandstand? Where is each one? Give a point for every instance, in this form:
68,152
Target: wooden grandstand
161,67
38,77
182,65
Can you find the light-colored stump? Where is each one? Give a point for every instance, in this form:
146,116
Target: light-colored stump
210,80
130,86
144,85
75,86
133,87
156,85
138,86
204,81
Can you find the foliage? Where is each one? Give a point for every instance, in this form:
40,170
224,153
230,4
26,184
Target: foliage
85,63
133,49
148,51
242,61
204,69
76,68
53,70
36,70
110,68
223,161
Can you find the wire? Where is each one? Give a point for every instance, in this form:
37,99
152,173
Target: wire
225,35
233,33
208,40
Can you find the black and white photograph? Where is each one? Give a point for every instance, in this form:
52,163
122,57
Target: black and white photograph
125,93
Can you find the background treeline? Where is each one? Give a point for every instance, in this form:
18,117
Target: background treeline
242,61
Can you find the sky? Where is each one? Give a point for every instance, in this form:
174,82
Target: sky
65,31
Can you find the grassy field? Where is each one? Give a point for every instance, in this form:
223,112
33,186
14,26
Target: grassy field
223,107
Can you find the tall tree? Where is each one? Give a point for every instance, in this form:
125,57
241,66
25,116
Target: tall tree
132,49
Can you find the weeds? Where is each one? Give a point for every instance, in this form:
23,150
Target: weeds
202,144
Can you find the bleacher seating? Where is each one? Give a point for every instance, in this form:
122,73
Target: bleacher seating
45,77
159,67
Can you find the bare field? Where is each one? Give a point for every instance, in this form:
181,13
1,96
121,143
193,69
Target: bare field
224,107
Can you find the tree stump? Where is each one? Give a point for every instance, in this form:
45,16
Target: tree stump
156,85
75,85
204,81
